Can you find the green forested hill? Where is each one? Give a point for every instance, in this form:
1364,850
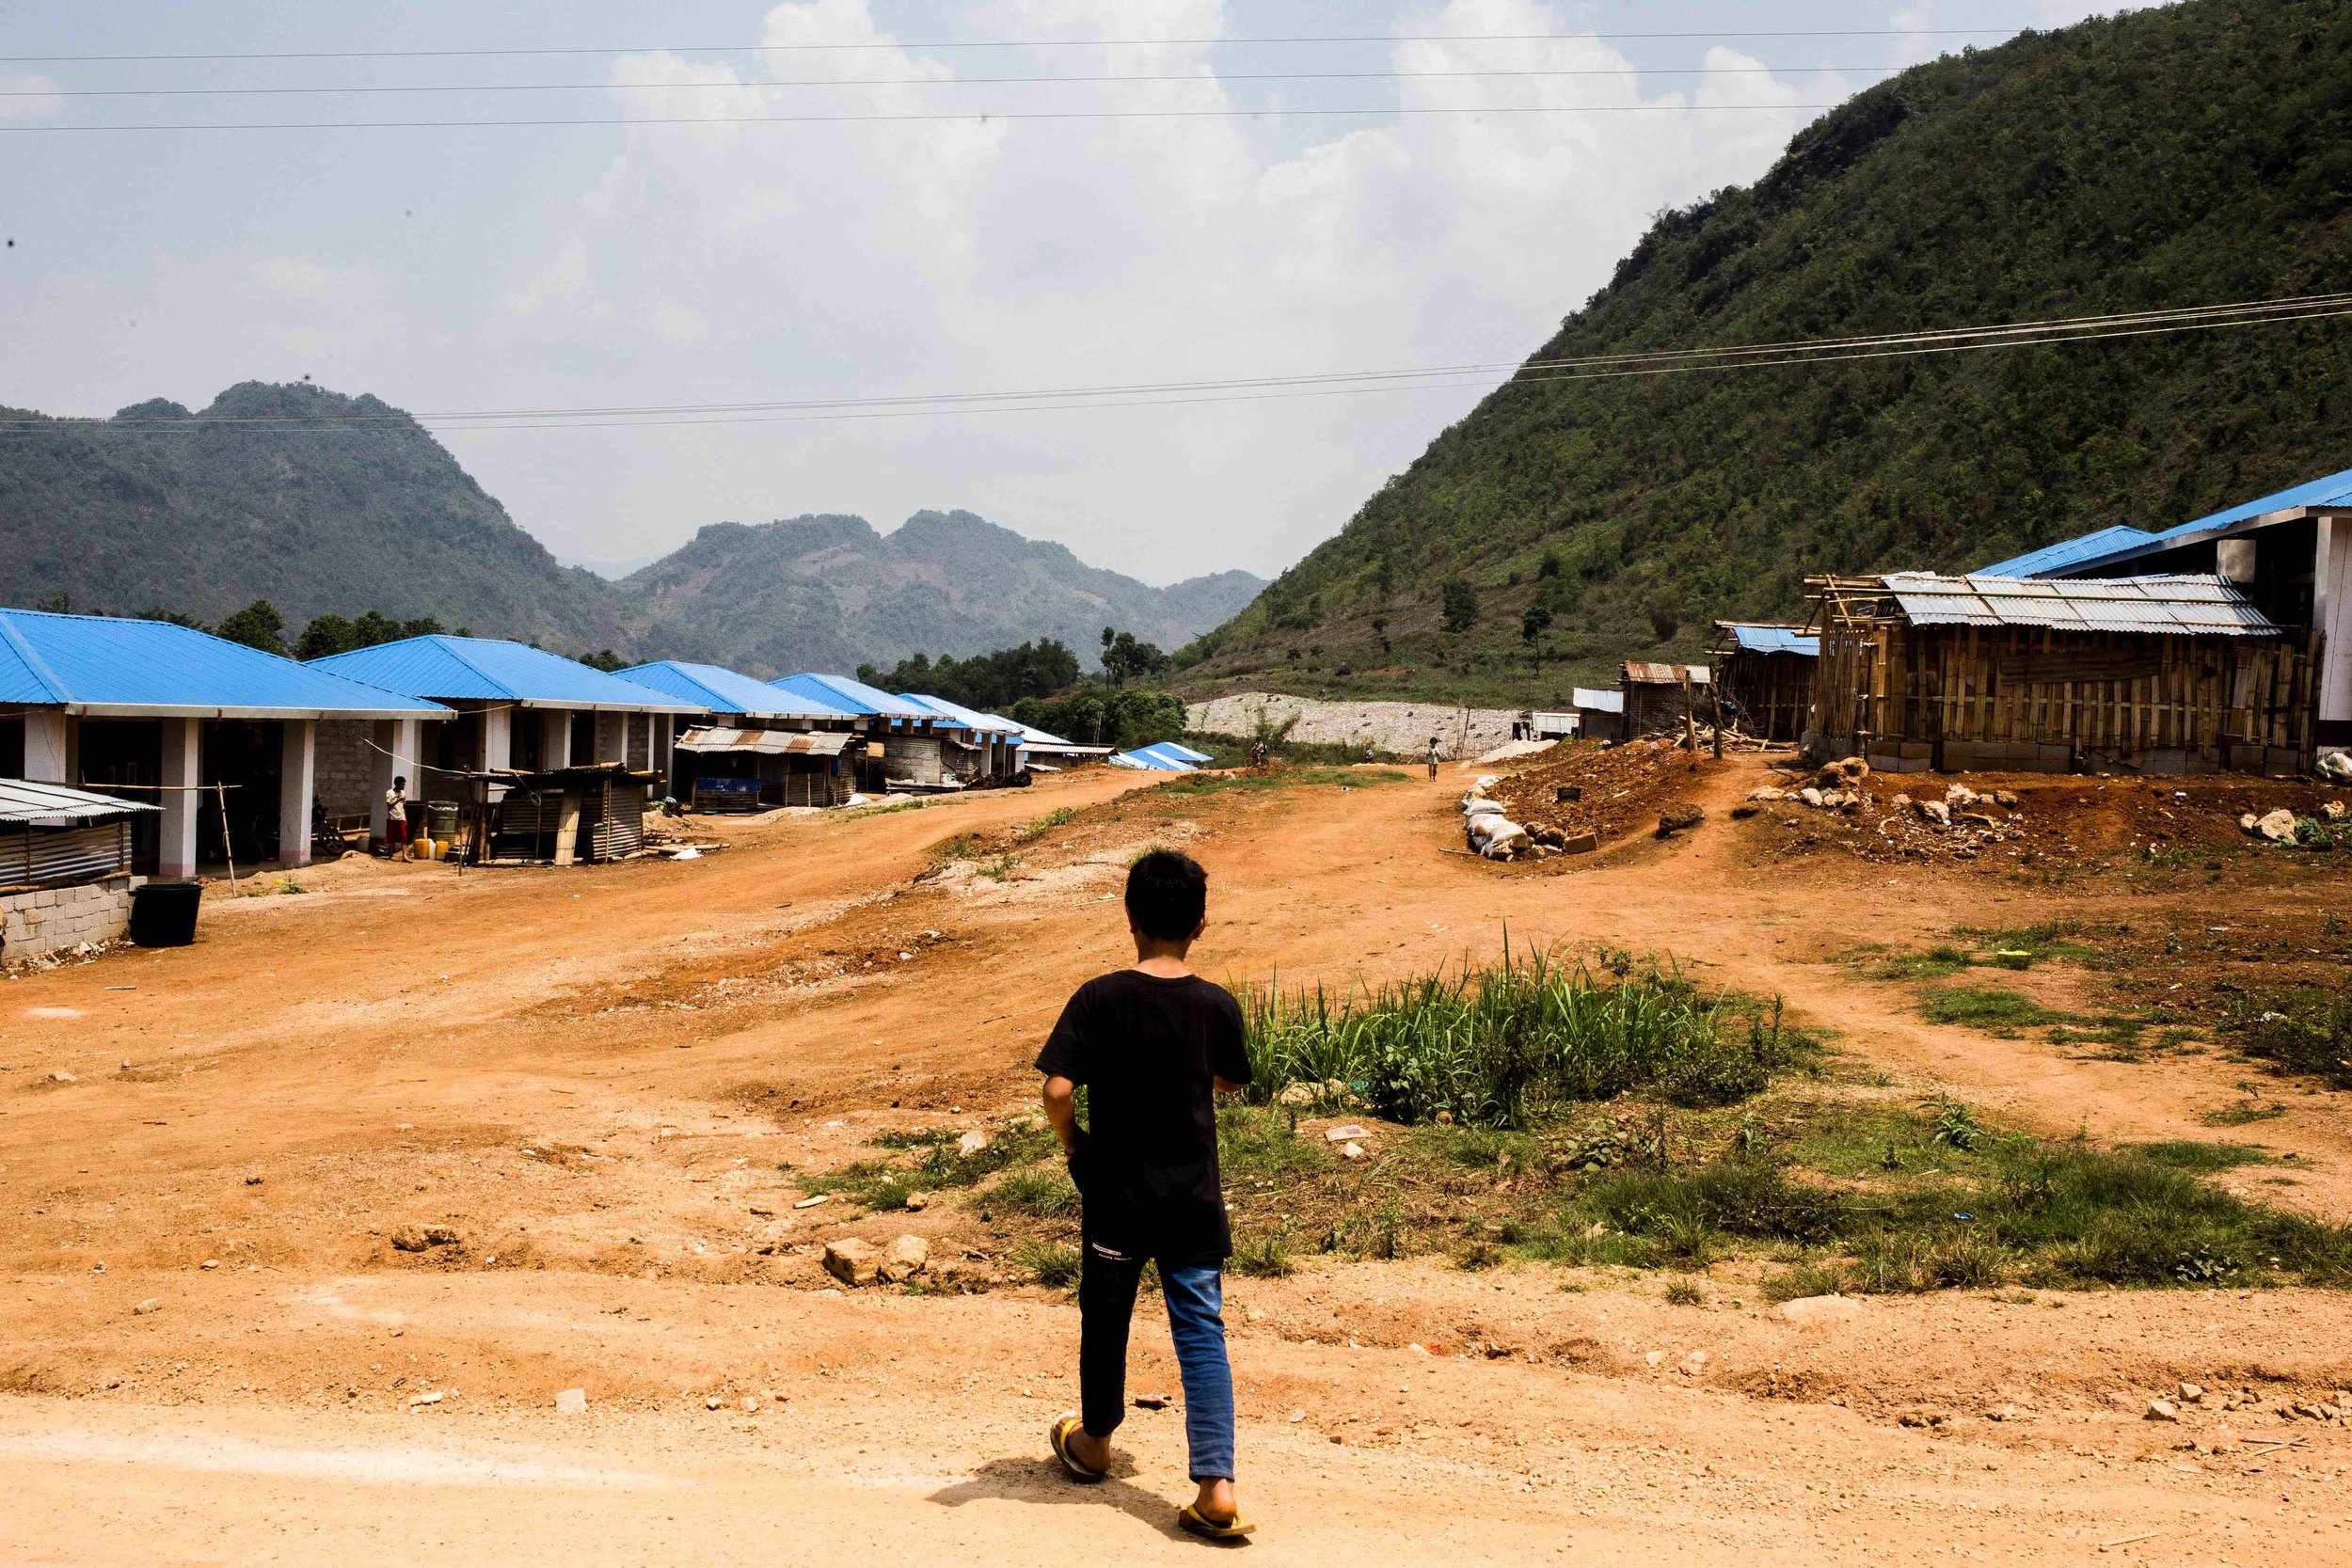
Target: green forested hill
2196,153
201,514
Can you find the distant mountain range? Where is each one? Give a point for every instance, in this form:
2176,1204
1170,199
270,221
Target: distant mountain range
273,492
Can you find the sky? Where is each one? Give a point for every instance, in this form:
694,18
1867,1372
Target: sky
737,256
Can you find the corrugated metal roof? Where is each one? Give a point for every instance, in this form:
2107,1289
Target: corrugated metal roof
488,669
48,805
961,717
1150,759
1773,640
114,666
1643,671
2332,490
2181,606
717,688
2067,552
854,696
808,743
1598,702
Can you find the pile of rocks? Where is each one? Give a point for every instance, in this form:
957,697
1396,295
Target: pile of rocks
2284,827
1490,833
1960,822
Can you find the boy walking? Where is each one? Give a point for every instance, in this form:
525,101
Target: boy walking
1151,1044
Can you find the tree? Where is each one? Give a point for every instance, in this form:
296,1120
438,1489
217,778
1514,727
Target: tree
257,626
326,634
1534,622
1665,618
603,659
1123,657
1460,604
1549,566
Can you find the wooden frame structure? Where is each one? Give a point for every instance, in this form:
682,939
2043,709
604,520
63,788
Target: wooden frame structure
1772,686
1911,697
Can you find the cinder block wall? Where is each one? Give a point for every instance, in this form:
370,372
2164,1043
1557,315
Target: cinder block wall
344,769
58,919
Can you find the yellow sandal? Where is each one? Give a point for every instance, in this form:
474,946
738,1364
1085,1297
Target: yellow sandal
1207,1528
1058,1435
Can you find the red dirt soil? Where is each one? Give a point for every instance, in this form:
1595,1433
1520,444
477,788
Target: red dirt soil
607,1080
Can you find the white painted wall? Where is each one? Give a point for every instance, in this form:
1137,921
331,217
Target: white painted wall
294,785
45,750
2332,613
183,767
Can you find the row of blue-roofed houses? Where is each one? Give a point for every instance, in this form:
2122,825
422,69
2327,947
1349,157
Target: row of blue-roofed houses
144,749
2221,643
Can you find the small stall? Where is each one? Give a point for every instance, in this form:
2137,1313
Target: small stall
1768,673
580,815
749,771
65,868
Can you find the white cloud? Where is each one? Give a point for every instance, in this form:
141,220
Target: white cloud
26,95
765,260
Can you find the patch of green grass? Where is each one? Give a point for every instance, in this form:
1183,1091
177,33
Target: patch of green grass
1001,869
1040,1192
1508,1043
2002,1013
1055,1264
1057,817
1685,1292
2305,1033
1261,1144
886,810
2203,1158
1264,1256
963,847
2243,1114
1933,964
2051,939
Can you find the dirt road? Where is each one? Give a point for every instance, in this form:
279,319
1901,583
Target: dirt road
605,1079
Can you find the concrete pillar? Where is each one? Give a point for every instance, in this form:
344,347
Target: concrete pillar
398,744
45,758
496,733
555,736
294,784
2332,613
184,765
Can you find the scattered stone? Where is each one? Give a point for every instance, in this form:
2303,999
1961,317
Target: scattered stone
409,1240
1959,794
2162,1410
2192,1391
1936,811
439,1235
253,1181
1742,812
2006,798
813,1202
2278,826
759,1211
2245,822
908,1257
749,1404
1812,796
1679,818
917,1202
1768,792
210,1263
1567,792
1297,1094
1296,1417
1821,1309
712,1401
436,1397
1580,844
972,1143
1153,1402
61,1076
2333,809
1353,1151
571,1402
152,1303
853,1263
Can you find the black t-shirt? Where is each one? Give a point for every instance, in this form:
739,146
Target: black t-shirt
1146,1048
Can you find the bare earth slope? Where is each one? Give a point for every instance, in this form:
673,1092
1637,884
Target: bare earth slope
610,1082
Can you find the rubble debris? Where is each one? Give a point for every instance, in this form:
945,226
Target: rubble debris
908,1255
571,1402
853,1262
1679,818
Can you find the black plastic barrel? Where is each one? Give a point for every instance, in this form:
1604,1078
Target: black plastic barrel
162,914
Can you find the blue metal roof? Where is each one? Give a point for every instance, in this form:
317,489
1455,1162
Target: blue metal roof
1773,640
963,718
852,696
1150,759
2334,490
486,669
110,666
719,690
2067,552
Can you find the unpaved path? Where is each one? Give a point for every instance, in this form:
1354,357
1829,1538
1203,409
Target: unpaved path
597,1074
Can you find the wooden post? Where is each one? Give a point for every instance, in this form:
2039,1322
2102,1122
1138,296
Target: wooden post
567,828
1690,719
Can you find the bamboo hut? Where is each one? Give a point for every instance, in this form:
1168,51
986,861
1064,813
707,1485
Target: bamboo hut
1767,672
2156,675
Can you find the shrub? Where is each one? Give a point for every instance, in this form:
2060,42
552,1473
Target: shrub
1050,1263
1040,1192
1498,1045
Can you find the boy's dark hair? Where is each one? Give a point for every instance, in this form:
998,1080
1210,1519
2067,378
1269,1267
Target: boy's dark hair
1168,894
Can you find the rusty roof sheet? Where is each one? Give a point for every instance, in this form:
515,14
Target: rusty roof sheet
808,743
1643,671
2190,606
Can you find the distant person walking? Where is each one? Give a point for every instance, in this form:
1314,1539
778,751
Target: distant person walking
396,817
1433,758
1151,1043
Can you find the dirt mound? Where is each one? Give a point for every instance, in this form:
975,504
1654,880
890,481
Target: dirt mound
1612,791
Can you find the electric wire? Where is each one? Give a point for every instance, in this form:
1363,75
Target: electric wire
1650,364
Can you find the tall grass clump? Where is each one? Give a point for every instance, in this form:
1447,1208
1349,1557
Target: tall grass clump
1499,1044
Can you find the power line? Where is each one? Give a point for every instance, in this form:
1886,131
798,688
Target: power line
944,81
1013,43
972,115
2050,331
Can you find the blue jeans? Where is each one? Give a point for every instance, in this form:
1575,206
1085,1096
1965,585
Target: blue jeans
1196,1304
